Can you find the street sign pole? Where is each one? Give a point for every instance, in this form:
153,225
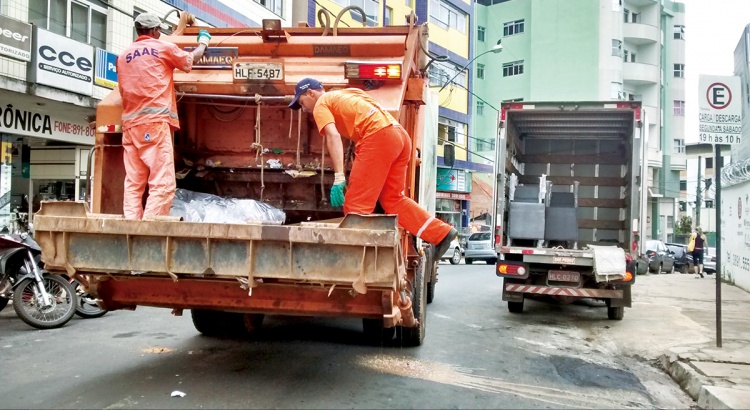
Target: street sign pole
719,161
719,123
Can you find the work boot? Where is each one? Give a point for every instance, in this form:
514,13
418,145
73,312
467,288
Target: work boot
443,246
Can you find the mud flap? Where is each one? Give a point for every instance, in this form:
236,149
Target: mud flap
511,296
625,301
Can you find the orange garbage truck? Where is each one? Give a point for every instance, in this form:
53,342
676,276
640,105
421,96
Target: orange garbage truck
239,143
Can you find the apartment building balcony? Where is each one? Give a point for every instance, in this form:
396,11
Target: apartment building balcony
678,162
639,34
639,74
655,159
653,114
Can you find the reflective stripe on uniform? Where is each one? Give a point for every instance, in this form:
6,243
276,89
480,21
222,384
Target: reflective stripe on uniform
150,111
426,224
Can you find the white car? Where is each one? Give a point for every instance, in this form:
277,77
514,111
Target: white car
453,254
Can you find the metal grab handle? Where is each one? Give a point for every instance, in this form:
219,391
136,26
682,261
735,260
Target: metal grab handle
87,194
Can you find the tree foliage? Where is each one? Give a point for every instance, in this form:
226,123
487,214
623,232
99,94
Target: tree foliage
685,225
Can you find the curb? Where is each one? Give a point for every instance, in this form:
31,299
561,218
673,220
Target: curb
685,375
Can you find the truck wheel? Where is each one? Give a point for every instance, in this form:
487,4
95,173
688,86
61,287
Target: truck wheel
376,334
431,275
253,322
468,261
515,307
413,336
615,313
218,324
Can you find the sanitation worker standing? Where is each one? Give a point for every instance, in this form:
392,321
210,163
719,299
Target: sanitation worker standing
149,116
382,156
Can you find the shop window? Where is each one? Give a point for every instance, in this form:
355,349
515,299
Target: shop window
80,20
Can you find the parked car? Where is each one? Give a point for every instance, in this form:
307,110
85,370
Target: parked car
480,246
709,261
660,258
453,254
682,258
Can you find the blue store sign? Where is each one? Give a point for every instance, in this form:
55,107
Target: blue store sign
106,69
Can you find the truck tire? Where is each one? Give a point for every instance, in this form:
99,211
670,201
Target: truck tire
432,275
515,307
376,334
253,322
413,336
615,313
218,324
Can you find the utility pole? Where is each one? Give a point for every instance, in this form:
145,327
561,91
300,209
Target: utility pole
698,198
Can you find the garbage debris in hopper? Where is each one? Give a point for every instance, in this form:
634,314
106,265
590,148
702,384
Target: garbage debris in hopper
200,207
300,174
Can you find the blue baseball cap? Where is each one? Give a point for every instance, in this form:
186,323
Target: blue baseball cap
302,86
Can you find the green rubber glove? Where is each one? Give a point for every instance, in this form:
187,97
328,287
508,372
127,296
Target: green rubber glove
337,190
203,37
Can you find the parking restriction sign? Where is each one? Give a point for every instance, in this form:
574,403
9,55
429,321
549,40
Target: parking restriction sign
720,110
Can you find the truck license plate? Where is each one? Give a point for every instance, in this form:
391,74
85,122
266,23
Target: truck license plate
563,276
258,71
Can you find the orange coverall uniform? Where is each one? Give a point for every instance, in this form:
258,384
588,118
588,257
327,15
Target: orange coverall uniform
382,156
149,116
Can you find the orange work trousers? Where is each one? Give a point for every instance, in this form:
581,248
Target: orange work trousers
379,173
149,158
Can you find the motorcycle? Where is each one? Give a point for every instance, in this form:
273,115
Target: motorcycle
41,299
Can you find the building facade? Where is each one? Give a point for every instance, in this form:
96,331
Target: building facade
591,50
57,64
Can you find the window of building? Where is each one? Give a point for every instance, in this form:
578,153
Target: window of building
480,70
709,204
679,146
632,57
480,108
679,32
709,163
513,27
670,222
136,12
408,3
447,16
679,70
679,107
683,184
388,18
86,22
625,55
626,16
635,17
442,72
480,33
276,6
514,68
617,47
683,206
453,131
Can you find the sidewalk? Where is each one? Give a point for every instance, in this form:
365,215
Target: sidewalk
717,378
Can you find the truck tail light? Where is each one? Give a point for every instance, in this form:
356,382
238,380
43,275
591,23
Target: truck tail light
372,71
505,269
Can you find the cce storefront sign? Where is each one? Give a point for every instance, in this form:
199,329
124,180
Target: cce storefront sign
63,63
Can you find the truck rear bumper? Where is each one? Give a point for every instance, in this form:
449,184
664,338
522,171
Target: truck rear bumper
559,291
127,293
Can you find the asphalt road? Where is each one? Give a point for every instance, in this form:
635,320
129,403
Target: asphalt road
476,355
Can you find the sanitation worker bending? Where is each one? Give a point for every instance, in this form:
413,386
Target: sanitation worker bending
381,159
149,115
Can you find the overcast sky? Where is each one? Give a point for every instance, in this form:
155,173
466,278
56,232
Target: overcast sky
713,29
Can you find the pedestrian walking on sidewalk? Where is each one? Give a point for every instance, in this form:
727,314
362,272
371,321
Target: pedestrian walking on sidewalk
149,115
382,154
697,245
